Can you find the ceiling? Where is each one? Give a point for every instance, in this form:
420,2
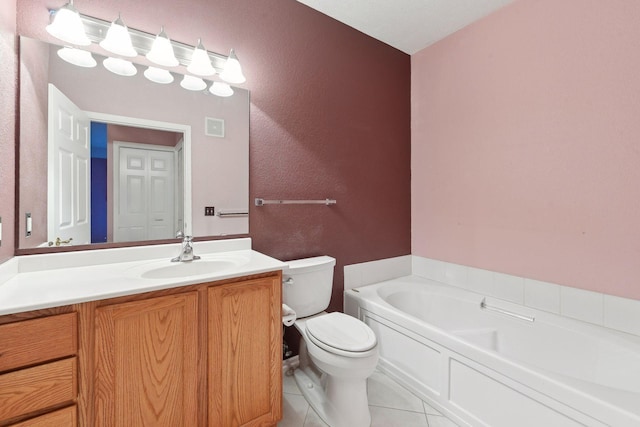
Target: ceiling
407,25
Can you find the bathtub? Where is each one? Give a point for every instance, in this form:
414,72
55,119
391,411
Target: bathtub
500,364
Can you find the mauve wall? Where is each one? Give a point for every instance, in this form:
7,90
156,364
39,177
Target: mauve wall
34,77
526,144
8,73
330,117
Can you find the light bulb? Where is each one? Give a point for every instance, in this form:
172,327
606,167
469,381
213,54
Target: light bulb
120,67
193,83
232,72
67,26
221,89
158,75
78,57
118,40
161,51
200,62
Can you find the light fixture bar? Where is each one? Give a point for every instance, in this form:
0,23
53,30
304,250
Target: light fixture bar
96,30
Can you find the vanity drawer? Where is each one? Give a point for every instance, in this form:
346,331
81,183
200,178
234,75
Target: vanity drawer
66,417
35,341
38,388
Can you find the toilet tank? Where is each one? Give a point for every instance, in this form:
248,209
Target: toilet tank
307,284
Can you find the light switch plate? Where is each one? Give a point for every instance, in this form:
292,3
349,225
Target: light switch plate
28,224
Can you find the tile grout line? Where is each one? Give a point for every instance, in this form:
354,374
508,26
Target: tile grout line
399,409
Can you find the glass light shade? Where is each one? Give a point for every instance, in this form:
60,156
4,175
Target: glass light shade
67,26
232,72
221,89
158,75
120,67
193,83
78,57
118,40
200,62
161,52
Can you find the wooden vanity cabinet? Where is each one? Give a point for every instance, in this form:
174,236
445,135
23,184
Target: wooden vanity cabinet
194,356
245,353
201,355
38,369
146,362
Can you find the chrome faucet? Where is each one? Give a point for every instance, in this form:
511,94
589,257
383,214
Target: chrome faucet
186,254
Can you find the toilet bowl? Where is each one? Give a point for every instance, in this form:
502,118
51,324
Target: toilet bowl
337,352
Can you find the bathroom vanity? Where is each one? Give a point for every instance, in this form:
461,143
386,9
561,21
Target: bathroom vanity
200,349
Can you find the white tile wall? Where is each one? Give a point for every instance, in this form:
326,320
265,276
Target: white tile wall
622,314
428,268
617,313
456,275
480,281
508,287
367,273
582,305
542,295
352,276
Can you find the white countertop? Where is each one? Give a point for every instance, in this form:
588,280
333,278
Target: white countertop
50,280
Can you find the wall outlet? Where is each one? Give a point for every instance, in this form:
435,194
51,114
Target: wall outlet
209,211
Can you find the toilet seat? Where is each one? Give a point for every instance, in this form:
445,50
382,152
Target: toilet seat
341,334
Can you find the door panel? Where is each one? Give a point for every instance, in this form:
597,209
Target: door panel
146,362
146,187
69,197
245,342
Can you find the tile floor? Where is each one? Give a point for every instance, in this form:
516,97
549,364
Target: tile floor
391,406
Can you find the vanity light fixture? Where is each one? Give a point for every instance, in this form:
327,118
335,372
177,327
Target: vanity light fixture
232,72
73,28
120,67
221,89
158,75
67,26
161,52
200,62
118,39
79,57
193,83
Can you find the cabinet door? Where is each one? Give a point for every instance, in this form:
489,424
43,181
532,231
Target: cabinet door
245,349
145,362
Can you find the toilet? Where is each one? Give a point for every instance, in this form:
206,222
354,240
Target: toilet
337,352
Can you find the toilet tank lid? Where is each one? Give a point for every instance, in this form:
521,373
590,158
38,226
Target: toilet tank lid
309,264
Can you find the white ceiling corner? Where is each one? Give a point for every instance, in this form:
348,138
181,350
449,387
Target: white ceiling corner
407,25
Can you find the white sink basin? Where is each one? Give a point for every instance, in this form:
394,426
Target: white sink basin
182,269
208,265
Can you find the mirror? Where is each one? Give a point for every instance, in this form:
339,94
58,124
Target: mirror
159,156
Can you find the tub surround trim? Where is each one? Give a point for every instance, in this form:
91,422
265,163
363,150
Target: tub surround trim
618,313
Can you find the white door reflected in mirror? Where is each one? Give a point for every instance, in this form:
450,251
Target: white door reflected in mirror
69,186
144,203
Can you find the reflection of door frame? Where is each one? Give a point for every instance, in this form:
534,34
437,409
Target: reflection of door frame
166,126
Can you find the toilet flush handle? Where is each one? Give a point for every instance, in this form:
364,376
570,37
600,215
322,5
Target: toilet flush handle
288,281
